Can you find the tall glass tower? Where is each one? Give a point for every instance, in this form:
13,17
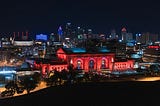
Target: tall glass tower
68,30
60,34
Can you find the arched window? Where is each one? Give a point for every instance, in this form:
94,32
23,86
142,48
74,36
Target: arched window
103,64
58,68
79,64
91,64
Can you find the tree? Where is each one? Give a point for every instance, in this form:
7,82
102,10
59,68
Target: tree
29,83
12,85
72,74
64,74
37,77
55,78
11,88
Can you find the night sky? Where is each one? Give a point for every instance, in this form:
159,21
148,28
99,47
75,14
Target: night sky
99,15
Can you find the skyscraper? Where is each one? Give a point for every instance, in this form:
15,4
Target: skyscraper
113,34
146,38
89,33
68,30
126,36
60,33
80,33
52,37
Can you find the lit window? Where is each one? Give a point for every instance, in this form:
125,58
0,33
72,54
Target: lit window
103,64
79,64
91,64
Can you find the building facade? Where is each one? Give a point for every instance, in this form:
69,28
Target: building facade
101,60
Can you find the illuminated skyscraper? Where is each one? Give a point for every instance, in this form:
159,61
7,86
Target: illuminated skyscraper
146,38
60,33
113,34
21,36
52,37
68,30
89,33
80,33
126,36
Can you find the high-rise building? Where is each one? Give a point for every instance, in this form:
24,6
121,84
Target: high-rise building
126,36
80,32
123,34
89,33
137,37
119,48
52,37
129,37
21,36
60,34
68,30
146,38
113,34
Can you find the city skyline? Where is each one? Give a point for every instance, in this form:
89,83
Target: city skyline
101,16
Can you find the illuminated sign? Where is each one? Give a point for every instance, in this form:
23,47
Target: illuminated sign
41,37
154,47
23,43
135,56
7,72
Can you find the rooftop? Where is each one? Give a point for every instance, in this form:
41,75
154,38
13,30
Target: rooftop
86,50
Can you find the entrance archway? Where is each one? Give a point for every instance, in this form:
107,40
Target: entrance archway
91,64
79,64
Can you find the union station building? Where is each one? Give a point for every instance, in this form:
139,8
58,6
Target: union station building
99,59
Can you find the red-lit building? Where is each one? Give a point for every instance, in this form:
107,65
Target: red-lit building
99,59
47,65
